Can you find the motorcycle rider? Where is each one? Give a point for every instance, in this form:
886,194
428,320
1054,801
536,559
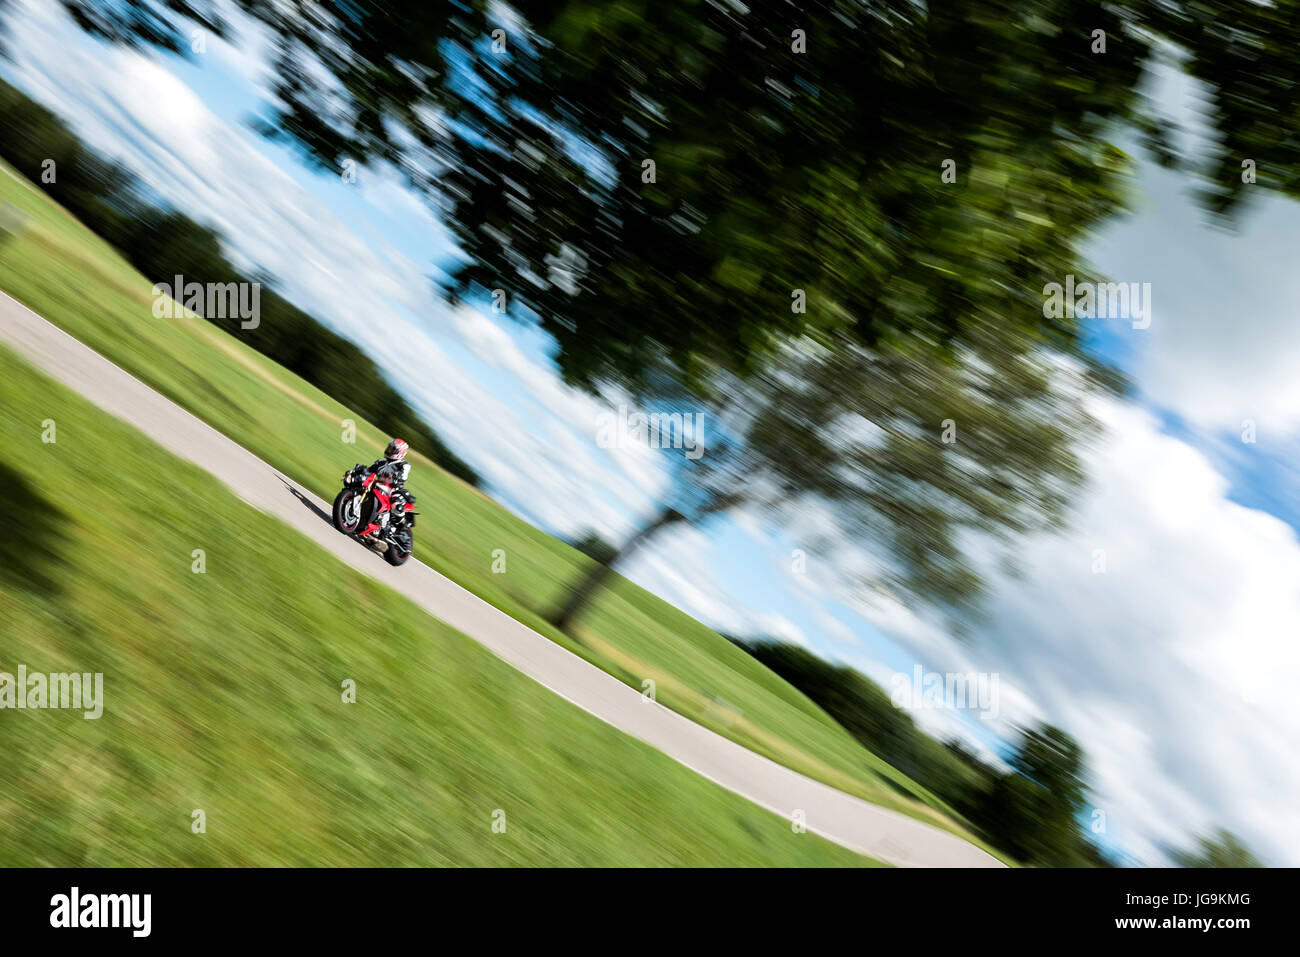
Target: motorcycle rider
393,468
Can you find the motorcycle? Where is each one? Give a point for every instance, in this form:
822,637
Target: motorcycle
364,510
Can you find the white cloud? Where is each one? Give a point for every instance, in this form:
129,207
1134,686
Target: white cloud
680,566
773,625
1174,667
1222,335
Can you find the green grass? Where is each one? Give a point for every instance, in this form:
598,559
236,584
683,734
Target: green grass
64,272
222,692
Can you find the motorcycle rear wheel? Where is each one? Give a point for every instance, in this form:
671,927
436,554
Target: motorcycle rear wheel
399,550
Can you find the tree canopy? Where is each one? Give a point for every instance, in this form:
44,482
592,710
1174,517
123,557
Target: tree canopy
798,149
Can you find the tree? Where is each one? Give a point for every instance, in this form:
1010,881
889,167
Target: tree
799,151
1222,849
1031,813
905,452
679,192
1034,808
595,547
868,713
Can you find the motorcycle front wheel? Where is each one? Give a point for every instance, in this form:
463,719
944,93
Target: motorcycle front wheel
347,511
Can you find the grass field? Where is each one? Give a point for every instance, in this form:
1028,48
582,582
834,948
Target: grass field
72,278
223,693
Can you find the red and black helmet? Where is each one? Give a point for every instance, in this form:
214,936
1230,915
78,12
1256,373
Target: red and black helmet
396,450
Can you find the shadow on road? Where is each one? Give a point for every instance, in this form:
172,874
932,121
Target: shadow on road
320,512
323,515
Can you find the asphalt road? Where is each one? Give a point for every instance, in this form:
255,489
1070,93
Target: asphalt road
880,833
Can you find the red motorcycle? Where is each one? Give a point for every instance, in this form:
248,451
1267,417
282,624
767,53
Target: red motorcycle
365,509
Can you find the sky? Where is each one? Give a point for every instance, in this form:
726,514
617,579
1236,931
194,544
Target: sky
1172,667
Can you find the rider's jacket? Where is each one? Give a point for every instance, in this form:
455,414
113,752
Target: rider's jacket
396,472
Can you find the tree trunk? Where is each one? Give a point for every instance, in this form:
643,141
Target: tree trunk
596,578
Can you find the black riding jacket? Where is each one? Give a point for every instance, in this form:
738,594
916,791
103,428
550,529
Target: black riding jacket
396,472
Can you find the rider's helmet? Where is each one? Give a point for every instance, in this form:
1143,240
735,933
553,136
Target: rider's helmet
396,450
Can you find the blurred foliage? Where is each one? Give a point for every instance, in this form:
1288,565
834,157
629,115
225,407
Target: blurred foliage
163,243
1034,810
1223,849
595,548
866,712
776,170
1030,812
908,454
903,454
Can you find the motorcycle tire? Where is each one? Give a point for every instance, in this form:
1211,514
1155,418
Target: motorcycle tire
340,522
399,551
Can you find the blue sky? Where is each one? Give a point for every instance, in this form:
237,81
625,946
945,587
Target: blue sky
1172,668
